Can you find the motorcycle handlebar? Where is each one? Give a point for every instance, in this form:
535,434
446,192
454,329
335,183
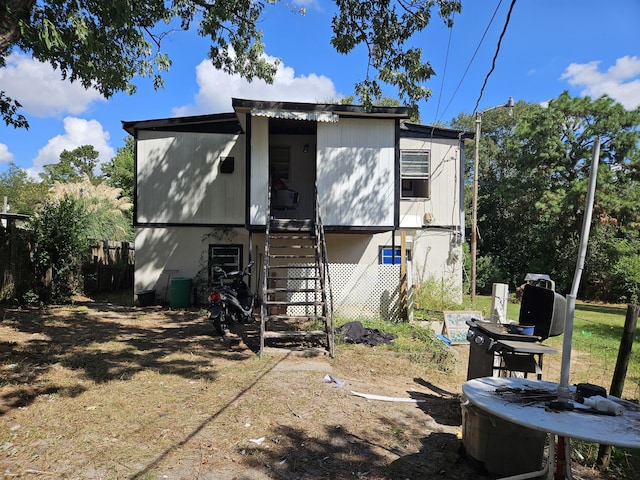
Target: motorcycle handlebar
246,271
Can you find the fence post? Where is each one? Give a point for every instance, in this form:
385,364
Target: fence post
620,372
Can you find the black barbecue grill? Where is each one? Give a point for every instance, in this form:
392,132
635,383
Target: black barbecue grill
494,349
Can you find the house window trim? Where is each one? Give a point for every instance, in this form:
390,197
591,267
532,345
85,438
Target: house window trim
382,256
426,177
211,277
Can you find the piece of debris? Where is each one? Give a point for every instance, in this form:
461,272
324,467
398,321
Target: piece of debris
257,441
331,379
388,399
354,332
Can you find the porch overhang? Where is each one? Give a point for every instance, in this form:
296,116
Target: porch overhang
296,115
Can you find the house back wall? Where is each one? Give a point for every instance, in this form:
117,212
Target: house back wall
179,179
356,174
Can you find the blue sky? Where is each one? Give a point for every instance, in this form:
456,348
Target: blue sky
587,47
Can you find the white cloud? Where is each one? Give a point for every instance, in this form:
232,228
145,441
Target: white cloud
216,89
41,90
621,81
78,132
5,155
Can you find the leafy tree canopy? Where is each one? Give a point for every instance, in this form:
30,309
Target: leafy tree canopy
533,177
82,39
22,192
118,172
73,165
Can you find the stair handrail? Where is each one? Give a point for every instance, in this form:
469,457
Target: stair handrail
265,268
325,277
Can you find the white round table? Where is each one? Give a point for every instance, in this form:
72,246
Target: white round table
524,402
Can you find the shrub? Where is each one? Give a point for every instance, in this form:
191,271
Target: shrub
59,243
436,294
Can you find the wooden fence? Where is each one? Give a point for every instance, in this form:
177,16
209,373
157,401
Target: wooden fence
109,267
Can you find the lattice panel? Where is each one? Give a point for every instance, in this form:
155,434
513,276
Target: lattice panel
359,291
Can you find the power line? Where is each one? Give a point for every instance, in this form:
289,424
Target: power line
495,56
446,61
471,60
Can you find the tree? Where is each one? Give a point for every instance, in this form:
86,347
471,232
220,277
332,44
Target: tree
59,244
118,172
82,39
22,192
384,27
73,165
534,172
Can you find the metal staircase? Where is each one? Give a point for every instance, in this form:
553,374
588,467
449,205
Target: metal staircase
296,313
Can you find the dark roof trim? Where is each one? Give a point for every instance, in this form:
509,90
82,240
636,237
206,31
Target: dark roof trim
244,105
415,130
215,123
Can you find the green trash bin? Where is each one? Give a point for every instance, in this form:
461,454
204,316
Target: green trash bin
180,292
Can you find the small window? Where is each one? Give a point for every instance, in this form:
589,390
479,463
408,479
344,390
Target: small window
226,257
391,256
415,172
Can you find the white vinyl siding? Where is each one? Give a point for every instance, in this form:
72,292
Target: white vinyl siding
259,169
443,205
356,174
179,179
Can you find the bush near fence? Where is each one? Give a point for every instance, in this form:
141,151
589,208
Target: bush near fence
108,265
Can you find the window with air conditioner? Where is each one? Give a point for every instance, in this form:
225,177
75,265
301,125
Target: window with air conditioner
415,173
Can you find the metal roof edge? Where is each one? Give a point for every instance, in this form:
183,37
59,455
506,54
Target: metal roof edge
182,122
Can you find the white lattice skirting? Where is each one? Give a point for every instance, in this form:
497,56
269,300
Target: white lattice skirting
359,291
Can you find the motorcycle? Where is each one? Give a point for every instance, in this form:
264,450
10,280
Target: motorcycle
231,301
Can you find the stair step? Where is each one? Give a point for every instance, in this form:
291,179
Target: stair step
291,256
296,279
293,290
301,352
293,246
295,334
287,303
292,265
296,318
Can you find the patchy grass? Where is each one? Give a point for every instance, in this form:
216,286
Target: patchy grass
102,390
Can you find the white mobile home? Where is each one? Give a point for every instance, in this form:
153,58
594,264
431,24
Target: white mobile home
207,188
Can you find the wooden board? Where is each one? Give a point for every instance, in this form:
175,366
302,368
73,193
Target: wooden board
455,325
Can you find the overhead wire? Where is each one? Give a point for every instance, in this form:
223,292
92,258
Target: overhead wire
470,61
446,61
495,56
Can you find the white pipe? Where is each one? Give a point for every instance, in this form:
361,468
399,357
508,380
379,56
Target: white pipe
563,388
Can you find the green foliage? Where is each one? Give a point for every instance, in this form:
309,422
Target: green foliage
385,28
82,39
103,206
9,110
22,192
73,165
59,244
533,177
418,344
435,294
118,172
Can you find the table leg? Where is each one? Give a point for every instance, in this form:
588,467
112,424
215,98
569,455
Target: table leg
563,459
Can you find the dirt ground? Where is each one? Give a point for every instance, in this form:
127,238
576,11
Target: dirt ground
107,390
